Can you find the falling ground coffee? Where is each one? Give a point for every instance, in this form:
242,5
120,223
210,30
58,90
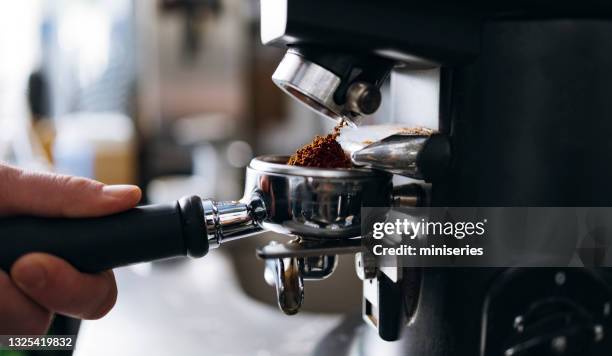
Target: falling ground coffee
322,152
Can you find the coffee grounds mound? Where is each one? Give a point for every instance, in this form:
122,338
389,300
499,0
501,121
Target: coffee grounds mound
322,152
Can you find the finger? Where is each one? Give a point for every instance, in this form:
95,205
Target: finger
57,286
45,194
19,315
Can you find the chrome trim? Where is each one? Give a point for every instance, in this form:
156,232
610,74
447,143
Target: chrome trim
211,220
363,98
396,154
309,83
228,221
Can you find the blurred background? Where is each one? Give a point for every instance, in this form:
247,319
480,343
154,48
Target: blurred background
175,96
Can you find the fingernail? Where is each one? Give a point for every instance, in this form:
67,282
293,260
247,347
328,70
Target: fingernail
118,191
30,276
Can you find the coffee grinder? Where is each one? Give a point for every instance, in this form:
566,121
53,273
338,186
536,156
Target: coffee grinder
522,100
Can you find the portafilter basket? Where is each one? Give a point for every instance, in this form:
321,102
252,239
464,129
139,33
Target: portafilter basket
314,203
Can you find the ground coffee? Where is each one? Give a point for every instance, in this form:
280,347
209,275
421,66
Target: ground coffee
322,152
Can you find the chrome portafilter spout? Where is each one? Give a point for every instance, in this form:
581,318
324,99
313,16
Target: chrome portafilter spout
287,275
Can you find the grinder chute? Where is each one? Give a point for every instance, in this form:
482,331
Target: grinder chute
335,85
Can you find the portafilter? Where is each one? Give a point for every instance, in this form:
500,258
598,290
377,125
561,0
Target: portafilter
313,203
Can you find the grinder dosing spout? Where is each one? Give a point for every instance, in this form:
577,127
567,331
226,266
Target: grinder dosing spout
336,85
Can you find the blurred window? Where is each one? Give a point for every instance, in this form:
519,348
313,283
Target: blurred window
89,54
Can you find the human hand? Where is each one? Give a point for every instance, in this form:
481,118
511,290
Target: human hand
41,285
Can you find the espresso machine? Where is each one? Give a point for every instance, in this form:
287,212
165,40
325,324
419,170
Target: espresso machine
521,102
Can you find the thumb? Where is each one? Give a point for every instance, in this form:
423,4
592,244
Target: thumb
52,195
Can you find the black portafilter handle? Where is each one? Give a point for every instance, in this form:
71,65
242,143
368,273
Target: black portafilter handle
93,245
